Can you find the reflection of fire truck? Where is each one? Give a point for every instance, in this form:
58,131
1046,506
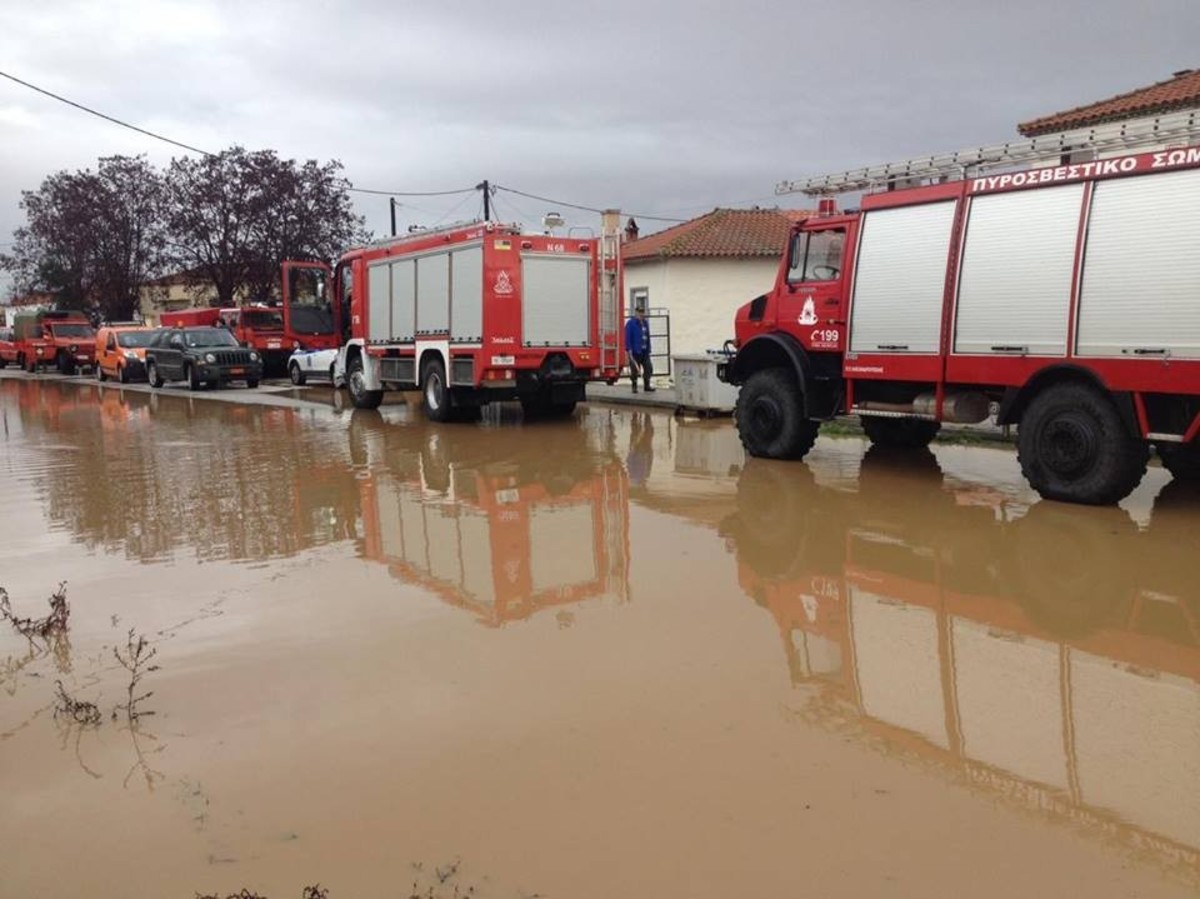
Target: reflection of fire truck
487,531
1065,294
481,312
1073,688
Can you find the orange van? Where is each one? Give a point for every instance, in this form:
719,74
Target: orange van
121,352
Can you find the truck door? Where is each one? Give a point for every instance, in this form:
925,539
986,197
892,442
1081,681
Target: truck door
813,306
308,309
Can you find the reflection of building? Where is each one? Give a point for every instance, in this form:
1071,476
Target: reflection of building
492,521
1024,654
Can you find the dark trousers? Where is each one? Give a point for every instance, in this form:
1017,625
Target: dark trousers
641,362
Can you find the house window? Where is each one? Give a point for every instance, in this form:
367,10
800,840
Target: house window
639,298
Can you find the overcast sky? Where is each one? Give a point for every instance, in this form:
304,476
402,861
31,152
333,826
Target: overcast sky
655,108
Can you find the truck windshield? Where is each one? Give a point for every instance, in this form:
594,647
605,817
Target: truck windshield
262,320
131,339
71,329
311,320
198,337
816,256
307,287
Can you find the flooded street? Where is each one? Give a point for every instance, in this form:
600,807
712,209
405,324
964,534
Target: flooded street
596,658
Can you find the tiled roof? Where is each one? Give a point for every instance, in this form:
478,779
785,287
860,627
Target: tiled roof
722,232
1181,91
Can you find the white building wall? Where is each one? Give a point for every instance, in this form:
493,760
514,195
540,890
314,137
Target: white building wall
701,294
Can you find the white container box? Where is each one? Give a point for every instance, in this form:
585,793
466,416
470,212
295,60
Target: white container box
697,385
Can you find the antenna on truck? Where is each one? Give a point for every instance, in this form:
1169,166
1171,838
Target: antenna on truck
1127,135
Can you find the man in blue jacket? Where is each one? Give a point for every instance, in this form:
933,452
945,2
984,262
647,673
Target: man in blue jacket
637,346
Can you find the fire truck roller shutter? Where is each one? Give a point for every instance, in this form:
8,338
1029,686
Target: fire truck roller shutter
479,573
1141,268
555,291
900,279
404,300
1015,285
1009,699
433,294
1155,784
379,292
898,664
562,545
466,295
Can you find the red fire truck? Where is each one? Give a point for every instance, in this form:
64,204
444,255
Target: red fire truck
1065,294
63,339
478,312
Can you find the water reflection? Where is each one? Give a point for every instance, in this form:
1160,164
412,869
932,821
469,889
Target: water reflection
1048,654
491,520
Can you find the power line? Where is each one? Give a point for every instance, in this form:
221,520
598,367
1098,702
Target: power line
519,193
360,190
108,118
167,140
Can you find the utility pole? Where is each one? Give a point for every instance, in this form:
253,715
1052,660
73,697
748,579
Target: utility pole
393,204
487,199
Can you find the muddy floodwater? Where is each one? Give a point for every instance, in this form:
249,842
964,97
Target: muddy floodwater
606,657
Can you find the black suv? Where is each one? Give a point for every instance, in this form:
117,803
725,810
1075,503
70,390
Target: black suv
200,356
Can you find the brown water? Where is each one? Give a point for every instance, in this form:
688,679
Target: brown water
599,658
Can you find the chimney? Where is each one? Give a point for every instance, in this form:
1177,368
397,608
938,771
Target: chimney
631,230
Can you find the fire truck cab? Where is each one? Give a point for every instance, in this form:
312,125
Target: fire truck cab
475,313
1064,296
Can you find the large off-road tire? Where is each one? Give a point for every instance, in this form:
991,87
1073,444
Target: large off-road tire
1181,459
153,376
900,433
1074,446
770,418
193,378
296,376
356,386
435,394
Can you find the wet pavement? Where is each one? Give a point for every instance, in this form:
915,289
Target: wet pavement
595,658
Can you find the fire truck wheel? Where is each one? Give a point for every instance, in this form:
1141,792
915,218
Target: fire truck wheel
296,375
769,417
1073,446
153,376
1181,459
193,378
356,386
435,397
900,433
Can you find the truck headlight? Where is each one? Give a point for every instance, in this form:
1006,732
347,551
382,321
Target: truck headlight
210,358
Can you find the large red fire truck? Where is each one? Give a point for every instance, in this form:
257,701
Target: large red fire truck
1067,294
474,313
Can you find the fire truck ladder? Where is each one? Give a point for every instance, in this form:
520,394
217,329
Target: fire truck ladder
610,289
1177,128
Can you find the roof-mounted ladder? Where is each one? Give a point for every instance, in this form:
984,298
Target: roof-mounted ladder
1131,134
